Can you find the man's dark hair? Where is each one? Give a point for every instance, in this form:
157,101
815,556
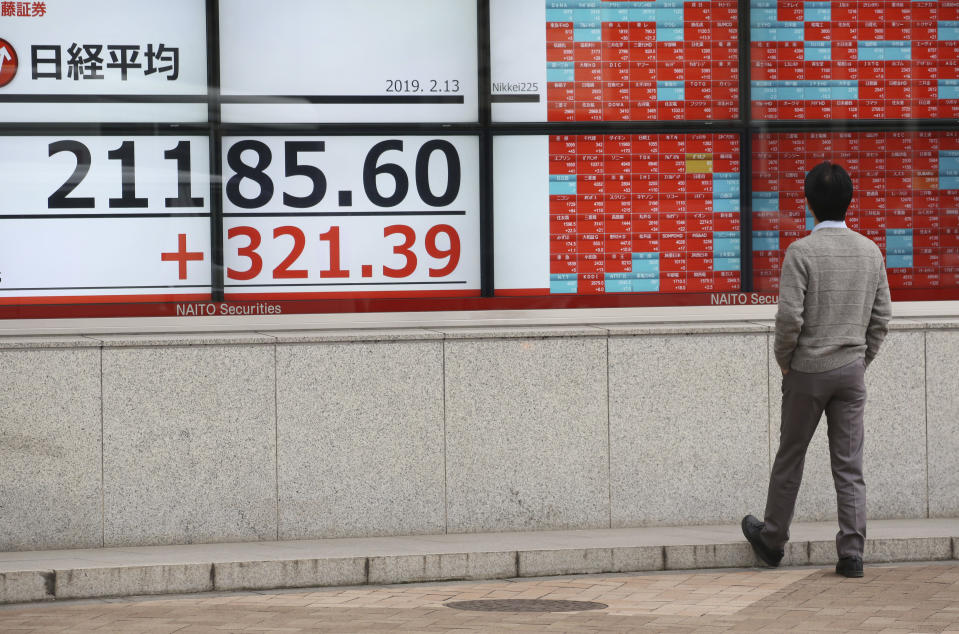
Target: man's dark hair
828,189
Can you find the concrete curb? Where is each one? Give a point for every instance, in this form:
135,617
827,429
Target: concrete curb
30,585
22,586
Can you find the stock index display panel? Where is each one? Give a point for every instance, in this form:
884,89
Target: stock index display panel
104,219
612,60
854,60
360,61
351,217
63,61
604,214
906,200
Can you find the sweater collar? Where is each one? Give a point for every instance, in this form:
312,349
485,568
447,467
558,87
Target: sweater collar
830,224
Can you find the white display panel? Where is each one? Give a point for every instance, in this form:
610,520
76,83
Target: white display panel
521,214
95,217
326,61
106,257
104,61
342,216
517,60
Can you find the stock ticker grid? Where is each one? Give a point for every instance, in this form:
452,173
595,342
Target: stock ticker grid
854,60
634,61
644,213
906,200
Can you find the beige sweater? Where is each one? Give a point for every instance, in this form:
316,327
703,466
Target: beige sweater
834,304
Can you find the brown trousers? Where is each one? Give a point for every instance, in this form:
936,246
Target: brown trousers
841,394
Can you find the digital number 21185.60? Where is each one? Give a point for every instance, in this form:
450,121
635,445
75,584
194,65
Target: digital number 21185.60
128,199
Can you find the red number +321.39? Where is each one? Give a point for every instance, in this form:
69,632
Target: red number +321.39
285,271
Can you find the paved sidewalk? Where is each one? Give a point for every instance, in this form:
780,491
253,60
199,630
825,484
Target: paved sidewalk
106,572
891,598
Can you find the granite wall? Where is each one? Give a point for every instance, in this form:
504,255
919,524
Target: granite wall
173,439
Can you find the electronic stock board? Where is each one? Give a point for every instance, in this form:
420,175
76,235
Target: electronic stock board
294,155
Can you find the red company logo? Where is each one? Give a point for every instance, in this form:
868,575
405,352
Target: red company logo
23,9
8,62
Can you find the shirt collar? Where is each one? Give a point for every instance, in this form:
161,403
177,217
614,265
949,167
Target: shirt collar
830,224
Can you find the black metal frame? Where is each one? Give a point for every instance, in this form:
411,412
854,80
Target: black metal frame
484,128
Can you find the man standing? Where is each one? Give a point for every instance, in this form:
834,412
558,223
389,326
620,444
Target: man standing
834,310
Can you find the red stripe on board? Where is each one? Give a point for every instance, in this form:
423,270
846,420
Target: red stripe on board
521,292
103,299
124,306
924,294
285,297
361,305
